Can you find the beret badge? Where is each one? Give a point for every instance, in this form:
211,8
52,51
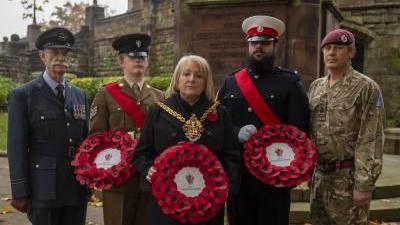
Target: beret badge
343,38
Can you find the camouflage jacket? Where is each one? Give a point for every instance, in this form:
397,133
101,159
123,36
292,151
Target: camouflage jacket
347,122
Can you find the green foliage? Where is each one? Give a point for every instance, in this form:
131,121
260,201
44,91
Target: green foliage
161,82
70,76
3,131
6,86
392,122
396,63
91,85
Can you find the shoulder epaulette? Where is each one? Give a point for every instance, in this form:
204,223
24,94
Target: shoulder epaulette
287,70
235,71
107,84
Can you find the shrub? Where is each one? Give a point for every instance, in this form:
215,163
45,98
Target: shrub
3,131
393,122
91,85
161,83
6,86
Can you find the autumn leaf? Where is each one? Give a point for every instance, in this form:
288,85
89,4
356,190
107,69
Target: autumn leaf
6,210
5,199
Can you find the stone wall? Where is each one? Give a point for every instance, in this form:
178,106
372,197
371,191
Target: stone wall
15,67
35,62
79,56
382,52
156,19
18,62
162,51
105,31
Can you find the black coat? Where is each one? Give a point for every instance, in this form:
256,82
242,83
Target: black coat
284,93
162,131
42,137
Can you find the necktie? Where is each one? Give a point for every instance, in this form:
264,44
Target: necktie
60,95
136,90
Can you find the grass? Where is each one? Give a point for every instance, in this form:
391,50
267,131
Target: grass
3,132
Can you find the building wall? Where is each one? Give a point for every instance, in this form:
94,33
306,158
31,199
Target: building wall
156,19
79,61
15,67
381,53
175,29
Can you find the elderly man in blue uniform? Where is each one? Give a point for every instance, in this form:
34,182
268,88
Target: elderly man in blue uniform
282,92
47,122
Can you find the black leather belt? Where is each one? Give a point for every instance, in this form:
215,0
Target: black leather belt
333,166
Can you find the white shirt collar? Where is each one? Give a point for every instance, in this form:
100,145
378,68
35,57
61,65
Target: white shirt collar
52,83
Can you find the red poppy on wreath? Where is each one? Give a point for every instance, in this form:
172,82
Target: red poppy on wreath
190,183
105,160
280,155
212,116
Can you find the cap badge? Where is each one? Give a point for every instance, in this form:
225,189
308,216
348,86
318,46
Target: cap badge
138,43
62,36
343,38
260,29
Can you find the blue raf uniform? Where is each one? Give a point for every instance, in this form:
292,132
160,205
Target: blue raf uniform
46,126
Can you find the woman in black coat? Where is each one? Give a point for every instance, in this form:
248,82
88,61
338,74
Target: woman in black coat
190,92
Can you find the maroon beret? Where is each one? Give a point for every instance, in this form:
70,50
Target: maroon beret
338,36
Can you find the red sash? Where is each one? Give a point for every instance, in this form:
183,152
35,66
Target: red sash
127,104
254,98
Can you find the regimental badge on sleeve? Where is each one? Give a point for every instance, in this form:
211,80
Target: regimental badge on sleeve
379,101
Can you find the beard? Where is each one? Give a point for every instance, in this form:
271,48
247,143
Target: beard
262,66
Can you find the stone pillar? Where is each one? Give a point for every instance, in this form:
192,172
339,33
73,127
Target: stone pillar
32,35
134,5
303,31
94,13
392,141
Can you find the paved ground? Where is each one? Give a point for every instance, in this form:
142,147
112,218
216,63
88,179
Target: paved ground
95,215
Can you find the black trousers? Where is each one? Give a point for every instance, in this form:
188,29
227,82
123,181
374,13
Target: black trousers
267,208
66,215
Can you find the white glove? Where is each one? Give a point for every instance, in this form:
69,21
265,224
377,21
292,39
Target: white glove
246,132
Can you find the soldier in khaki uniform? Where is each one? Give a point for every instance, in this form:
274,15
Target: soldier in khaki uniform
126,205
347,121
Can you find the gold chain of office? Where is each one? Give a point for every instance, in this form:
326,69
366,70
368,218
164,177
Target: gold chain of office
193,126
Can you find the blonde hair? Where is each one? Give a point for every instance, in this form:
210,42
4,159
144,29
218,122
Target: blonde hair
205,70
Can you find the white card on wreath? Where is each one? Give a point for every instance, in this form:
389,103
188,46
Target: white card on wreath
108,158
190,181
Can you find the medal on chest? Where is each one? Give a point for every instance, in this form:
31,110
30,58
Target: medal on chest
192,127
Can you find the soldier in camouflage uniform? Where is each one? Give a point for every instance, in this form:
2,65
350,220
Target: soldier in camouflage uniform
347,117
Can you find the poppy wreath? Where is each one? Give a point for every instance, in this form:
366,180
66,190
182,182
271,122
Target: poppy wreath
194,204
280,155
89,173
